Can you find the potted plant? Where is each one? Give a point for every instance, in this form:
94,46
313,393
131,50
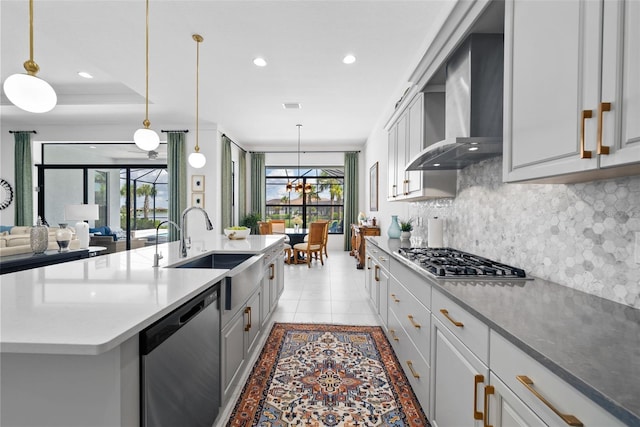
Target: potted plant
250,220
406,227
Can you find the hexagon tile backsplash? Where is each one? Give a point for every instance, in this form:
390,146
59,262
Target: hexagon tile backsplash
578,235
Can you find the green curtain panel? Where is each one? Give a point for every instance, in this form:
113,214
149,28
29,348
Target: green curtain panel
177,169
226,205
242,184
350,195
23,179
258,184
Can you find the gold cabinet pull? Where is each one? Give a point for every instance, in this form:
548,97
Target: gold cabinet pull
368,263
375,274
413,322
248,311
567,418
272,267
395,299
445,313
405,186
488,390
604,106
586,114
413,372
394,191
477,415
393,334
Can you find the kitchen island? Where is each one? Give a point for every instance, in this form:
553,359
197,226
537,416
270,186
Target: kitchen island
69,332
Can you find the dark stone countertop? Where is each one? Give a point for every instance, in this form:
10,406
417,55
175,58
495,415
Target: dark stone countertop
590,342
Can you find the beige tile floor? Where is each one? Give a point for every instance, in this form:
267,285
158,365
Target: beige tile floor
333,293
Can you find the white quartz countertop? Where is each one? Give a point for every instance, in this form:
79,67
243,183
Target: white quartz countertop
93,305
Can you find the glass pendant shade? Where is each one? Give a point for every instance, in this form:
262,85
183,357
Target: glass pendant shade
197,160
289,187
30,93
146,139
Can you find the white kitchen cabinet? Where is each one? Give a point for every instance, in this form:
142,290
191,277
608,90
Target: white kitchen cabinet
457,381
571,90
554,401
502,408
379,282
421,124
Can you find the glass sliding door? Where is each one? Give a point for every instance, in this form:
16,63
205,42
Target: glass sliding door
61,187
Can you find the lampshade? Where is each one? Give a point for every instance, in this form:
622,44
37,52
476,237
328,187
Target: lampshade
145,138
81,212
197,159
30,93
26,91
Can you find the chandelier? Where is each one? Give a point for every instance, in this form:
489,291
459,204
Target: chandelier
299,187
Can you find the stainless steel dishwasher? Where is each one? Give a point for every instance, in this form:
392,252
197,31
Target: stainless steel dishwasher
180,365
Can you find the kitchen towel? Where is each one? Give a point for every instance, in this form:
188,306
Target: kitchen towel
434,232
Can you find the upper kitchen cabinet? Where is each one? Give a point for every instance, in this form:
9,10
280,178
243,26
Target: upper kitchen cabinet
572,93
418,126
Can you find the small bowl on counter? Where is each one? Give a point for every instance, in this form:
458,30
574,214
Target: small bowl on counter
237,233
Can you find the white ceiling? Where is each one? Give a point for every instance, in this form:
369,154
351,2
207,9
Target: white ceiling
303,41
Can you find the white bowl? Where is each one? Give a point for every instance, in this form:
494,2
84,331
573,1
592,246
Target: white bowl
237,234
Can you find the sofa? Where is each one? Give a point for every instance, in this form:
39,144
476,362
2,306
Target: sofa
15,240
114,240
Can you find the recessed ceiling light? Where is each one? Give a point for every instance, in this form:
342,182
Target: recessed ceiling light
436,164
349,59
291,106
473,148
85,74
260,62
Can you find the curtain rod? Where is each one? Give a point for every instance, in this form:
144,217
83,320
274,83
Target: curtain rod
233,142
22,131
305,152
176,131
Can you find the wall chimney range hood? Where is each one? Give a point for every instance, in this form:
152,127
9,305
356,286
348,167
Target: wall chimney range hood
473,107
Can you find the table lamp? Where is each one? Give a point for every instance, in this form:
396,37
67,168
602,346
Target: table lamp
81,213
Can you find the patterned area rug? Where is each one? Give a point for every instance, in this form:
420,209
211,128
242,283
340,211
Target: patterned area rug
327,375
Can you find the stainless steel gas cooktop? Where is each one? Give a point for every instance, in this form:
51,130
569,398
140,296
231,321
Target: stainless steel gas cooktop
452,263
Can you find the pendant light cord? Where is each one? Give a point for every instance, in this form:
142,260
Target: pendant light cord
30,65
198,38
146,123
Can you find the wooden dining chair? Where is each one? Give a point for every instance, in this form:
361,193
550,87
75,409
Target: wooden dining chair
266,227
325,237
313,245
278,227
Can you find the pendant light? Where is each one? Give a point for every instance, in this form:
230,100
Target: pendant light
26,91
145,138
197,159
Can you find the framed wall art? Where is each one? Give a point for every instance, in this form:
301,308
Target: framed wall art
197,199
197,183
373,187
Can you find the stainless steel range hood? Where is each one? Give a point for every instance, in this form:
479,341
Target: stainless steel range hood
473,107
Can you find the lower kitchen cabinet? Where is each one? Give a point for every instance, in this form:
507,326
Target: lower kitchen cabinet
503,408
457,381
379,282
554,401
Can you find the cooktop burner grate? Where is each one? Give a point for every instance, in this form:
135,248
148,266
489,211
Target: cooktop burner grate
447,262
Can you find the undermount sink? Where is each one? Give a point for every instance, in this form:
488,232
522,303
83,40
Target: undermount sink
222,261
244,276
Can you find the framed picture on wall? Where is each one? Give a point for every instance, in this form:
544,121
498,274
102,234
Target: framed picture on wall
373,187
197,183
197,199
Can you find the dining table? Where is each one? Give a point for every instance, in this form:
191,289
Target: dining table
296,235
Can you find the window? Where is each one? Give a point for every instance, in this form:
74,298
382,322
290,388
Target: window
324,202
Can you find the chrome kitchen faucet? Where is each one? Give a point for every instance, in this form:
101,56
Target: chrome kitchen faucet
158,256
183,244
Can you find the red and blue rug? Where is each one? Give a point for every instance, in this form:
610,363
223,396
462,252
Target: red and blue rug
327,375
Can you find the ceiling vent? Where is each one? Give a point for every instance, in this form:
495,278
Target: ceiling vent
291,106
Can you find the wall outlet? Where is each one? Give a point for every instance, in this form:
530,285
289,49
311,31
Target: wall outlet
637,250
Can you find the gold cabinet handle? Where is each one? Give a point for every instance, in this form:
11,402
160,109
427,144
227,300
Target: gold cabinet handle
413,322
488,390
455,322
272,267
413,372
248,311
394,191
567,418
405,186
604,106
477,415
393,334
375,274
586,114
368,263
395,299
